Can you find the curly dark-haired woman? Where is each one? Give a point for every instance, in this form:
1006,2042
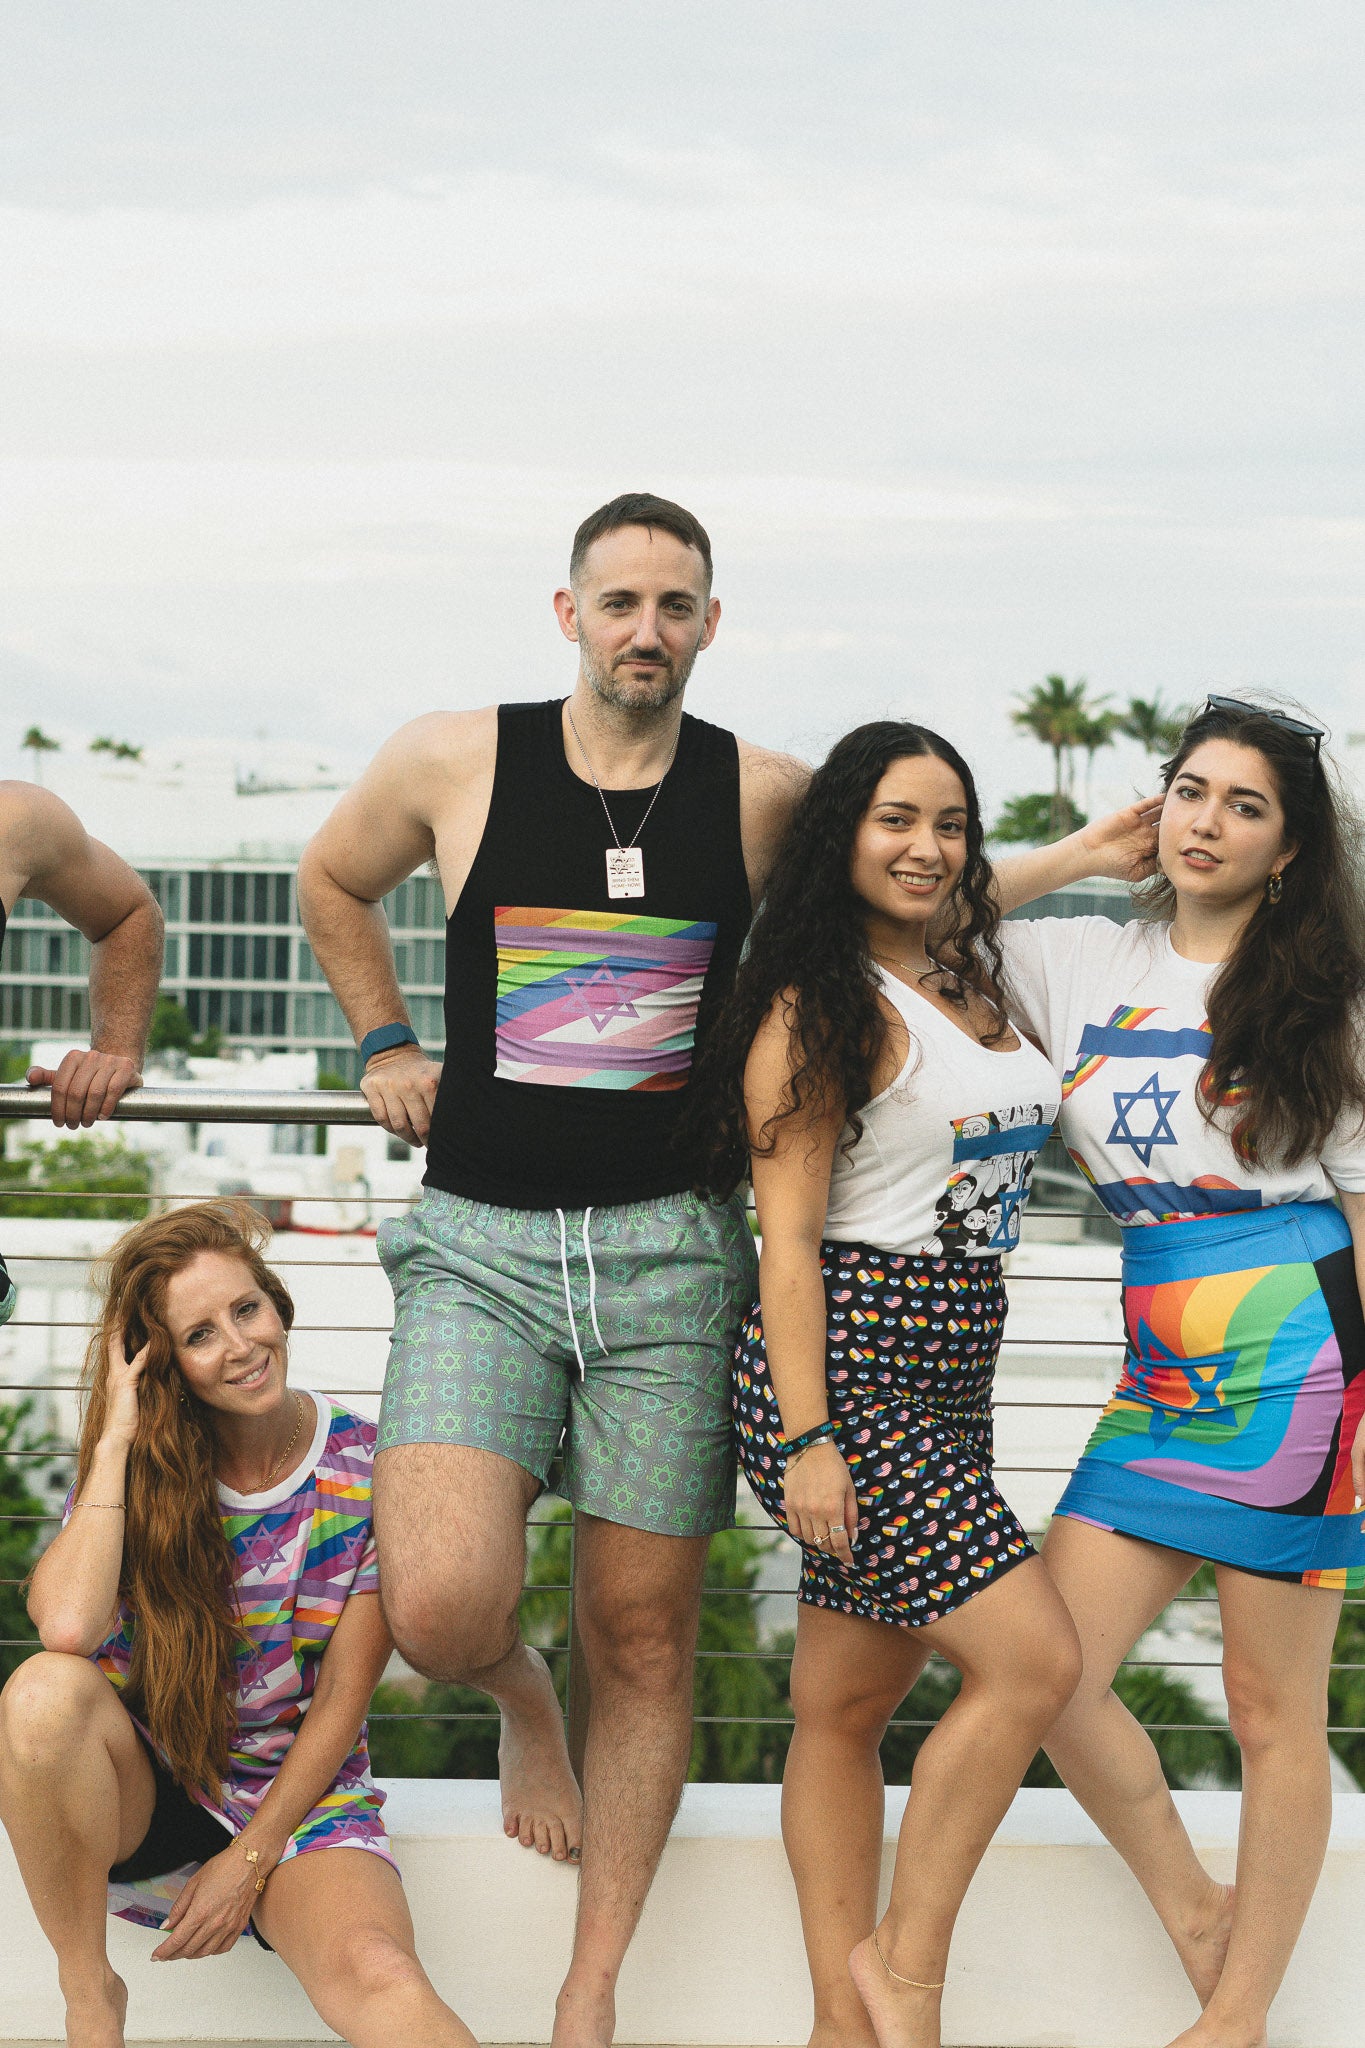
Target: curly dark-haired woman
866,1066
188,1748
1214,1092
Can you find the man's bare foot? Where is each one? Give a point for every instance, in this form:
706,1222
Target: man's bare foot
1203,1945
542,1807
584,2019
97,2021
902,2015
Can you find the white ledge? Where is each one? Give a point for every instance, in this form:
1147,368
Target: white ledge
1056,1947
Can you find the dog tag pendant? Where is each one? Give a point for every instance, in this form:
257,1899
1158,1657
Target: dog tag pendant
625,871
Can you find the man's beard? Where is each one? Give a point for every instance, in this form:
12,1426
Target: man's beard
640,693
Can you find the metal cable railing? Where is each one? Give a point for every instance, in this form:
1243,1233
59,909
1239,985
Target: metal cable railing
768,1555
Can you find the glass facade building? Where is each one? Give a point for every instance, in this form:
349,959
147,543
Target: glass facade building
236,958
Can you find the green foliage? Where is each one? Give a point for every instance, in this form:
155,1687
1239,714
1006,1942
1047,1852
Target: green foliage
734,1680
1034,820
1155,726
15,1061
19,1541
47,1174
172,1031
119,749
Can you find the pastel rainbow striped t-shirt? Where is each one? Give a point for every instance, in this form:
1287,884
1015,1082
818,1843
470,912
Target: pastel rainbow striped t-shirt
301,1551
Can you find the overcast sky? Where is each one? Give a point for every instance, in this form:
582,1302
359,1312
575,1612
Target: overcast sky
987,340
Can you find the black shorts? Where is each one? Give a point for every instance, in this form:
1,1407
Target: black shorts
180,1831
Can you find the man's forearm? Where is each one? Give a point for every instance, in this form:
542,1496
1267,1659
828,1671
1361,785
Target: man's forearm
125,971
351,943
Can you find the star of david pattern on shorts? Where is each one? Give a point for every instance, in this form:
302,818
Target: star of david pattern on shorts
483,1351
910,1357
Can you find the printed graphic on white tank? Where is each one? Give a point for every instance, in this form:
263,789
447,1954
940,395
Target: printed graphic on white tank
993,1159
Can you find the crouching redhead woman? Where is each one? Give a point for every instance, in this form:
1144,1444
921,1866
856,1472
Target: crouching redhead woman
866,1073
188,1749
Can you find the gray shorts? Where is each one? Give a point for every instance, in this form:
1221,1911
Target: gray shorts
607,1333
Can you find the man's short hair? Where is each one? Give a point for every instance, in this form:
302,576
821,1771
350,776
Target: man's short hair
640,508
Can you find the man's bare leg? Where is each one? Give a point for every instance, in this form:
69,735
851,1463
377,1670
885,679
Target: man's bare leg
76,1795
451,1527
637,1599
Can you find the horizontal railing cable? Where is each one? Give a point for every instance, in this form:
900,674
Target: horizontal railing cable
348,1107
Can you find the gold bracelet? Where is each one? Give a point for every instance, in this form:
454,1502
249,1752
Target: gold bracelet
115,1507
253,1857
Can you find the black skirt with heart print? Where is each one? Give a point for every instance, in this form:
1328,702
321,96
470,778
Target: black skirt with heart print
910,1356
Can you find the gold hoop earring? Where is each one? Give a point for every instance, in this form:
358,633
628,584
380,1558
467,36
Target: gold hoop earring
1274,888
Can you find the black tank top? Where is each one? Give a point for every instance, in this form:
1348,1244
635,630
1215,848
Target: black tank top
571,1018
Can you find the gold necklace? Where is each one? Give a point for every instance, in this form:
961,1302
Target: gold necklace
278,1465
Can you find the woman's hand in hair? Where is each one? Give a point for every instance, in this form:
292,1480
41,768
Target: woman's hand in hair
1122,846
818,1494
121,1384
210,1914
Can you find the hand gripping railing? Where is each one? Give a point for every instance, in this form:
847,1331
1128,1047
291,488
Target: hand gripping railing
194,1103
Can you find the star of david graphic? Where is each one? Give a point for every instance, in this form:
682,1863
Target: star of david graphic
1126,1102
603,996
1010,1200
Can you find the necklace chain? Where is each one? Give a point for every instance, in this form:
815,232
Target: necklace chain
611,825
278,1465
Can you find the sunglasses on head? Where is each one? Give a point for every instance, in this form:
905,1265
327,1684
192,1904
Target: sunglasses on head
1316,733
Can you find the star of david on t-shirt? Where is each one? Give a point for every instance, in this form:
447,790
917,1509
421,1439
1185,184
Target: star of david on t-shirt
603,995
1150,1108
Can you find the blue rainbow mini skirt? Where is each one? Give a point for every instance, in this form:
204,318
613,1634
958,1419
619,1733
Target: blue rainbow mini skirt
1229,1433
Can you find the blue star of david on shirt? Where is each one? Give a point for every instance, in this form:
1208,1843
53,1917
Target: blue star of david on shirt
1126,1103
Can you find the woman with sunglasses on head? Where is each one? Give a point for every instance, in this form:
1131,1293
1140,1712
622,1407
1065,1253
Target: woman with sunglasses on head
1213,1087
188,1748
865,1072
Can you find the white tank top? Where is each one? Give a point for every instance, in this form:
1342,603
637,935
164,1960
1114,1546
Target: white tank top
946,1154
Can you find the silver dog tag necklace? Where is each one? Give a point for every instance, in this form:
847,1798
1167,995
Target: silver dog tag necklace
625,864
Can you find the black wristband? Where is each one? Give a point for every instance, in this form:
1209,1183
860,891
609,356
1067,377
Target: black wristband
384,1037
808,1438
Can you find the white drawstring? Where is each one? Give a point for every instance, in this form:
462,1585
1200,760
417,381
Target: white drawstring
568,1294
592,1286
568,1291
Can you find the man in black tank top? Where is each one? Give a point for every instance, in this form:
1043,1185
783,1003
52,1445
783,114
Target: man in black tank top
600,857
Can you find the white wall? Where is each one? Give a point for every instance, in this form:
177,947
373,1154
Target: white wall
1056,1947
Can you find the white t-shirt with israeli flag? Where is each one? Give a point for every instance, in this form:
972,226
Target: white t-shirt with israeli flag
1124,1018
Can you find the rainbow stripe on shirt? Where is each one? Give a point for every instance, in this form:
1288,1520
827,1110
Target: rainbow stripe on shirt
598,998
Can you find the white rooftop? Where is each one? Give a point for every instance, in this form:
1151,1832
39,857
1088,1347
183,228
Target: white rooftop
199,800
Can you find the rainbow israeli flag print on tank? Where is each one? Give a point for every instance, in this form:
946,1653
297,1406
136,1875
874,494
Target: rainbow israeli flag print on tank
598,998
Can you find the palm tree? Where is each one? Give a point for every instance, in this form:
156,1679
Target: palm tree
1054,711
38,743
1095,730
120,749
1155,726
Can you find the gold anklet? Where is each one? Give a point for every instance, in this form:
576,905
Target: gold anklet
918,1983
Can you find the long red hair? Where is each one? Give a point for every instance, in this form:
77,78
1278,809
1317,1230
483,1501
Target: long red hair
177,1572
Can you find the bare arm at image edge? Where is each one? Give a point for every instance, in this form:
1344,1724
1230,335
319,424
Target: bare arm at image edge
58,862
